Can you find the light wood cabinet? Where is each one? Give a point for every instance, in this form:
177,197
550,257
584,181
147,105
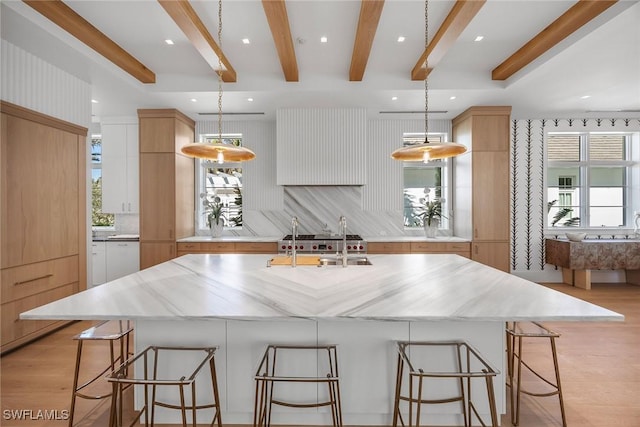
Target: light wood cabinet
388,247
482,179
226,248
167,192
120,173
458,248
256,247
43,217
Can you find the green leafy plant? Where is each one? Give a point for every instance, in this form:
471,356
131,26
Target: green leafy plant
213,209
562,215
432,213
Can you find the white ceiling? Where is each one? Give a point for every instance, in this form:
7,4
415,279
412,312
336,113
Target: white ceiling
601,60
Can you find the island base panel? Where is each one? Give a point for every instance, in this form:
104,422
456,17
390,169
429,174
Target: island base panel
366,354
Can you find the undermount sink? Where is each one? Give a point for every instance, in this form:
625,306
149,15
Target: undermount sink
338,261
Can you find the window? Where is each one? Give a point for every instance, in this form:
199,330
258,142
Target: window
588,178
98,218
424,182
220,180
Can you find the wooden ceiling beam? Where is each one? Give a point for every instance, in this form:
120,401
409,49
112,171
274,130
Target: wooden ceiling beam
574,18
276,12
370,11
192,26
67,19
461,14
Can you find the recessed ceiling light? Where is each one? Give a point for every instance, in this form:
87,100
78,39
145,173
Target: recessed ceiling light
94,101
401,39
323,39
250,99
478,38
452,97
169,41
394,98
246,41
194,100
585,97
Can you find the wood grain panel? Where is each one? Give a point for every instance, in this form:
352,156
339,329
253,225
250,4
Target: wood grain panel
370,11
185,207
67,19
570,21
152,253
157,135
389,247
491,133
157,202
25,280
256,247
276,12
494,254
491,196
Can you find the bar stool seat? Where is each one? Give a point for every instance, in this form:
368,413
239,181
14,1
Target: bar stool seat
454,364
112,331
150,375
277,367
516,332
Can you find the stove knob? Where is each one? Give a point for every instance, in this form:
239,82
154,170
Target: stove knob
330,247
361,247
349,247
301,247
284,246
315,247
289,247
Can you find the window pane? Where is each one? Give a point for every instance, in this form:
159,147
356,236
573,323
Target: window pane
98,218
563,148
606,147
606,196
225,183
607,177
563,197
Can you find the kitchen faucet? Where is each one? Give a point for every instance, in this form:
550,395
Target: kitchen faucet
343,230
294,234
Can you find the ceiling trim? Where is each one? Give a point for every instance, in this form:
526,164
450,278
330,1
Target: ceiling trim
192,26
370,11
67,19
276,12
570,21
461,14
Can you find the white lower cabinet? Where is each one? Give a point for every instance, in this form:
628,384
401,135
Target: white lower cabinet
122,258
112,260
98,263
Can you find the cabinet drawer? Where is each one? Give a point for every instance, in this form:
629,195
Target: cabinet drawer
217,247
426,247
188,247
389,247
257,247
13,328
459,247
30,279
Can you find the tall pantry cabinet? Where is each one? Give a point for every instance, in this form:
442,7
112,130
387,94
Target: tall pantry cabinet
167,192
482,184
43,218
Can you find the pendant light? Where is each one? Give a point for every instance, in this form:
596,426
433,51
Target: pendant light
218,151
427,150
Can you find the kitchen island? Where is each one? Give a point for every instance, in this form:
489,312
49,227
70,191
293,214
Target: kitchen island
238,303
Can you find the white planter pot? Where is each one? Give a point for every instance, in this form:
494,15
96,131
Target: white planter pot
430,231
216,229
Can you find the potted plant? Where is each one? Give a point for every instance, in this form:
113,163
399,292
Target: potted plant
431,215
215,216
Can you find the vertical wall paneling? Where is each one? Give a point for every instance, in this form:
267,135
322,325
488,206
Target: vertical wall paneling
30,82
321,146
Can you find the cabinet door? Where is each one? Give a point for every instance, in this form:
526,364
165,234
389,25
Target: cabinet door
120,168
98,263
493,254
123,258
157,208
490,196
156,253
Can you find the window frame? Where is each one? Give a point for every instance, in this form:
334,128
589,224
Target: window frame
98,166
585,167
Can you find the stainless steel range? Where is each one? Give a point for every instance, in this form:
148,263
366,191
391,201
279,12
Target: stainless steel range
322,244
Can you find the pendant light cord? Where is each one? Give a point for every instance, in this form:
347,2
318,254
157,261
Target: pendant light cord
220,72
426,67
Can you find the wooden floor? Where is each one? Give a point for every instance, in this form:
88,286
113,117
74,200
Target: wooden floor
599,363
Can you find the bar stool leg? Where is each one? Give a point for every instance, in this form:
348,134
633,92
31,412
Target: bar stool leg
214,384
396,405
559,386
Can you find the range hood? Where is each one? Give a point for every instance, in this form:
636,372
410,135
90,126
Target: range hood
321,146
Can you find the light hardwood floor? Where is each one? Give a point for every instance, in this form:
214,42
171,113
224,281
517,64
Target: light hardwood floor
599,363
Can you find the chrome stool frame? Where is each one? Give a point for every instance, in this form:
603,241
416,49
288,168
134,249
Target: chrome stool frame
108,330
516,332
267,376
463,374
149,359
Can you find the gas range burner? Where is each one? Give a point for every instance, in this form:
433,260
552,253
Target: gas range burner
322,244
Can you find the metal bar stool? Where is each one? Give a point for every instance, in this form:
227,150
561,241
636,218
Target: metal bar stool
111,331
468,365
516,332
148,376
269,373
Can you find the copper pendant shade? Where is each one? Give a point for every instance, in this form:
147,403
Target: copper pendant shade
427,150
218,152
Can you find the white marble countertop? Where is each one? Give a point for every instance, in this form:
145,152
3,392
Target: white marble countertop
248,239
395,287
